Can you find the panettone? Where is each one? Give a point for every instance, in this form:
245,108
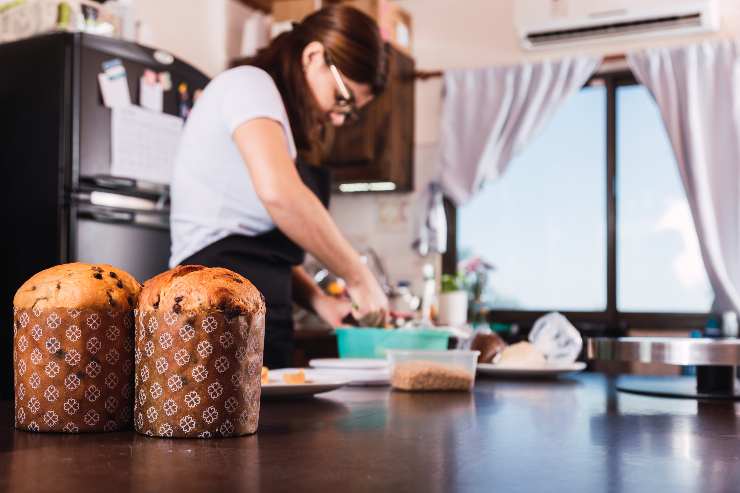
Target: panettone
73,349
198,357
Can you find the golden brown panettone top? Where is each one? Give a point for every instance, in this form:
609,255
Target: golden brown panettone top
79,285
191,288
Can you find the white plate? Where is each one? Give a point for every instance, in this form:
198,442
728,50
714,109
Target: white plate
549,371
349,363
316,384
357,378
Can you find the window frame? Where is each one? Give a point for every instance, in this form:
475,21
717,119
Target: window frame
610,321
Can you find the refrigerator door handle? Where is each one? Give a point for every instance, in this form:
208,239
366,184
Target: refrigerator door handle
108,216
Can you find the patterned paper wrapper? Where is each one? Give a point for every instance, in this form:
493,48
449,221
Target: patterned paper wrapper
73,369
197,375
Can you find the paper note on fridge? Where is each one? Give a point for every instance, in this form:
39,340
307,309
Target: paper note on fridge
144,144
114,85
150,95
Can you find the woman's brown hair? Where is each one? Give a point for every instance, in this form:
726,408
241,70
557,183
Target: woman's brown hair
352,40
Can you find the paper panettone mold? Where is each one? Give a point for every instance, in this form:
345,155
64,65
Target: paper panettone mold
73,349
198,354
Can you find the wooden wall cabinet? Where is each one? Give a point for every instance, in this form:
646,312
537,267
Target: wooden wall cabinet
379,147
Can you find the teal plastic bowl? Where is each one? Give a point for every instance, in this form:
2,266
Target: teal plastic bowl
358,342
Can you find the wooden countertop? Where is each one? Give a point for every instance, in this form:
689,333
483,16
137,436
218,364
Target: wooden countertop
572,435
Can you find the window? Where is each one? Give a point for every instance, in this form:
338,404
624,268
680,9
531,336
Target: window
591,219
659,264
543,223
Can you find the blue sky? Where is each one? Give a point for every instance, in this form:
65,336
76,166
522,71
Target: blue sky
543,224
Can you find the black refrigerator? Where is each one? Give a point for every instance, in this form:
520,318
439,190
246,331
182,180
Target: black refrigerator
62,203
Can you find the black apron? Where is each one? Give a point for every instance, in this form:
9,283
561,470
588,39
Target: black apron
266,260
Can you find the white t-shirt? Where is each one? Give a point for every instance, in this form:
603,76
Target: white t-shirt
212,192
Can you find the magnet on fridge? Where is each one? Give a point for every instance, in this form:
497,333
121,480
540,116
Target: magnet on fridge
183,97
165,80
150,92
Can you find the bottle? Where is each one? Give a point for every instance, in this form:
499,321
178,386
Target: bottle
427,299
729,324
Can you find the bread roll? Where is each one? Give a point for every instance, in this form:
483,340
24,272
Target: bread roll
199,343
73,349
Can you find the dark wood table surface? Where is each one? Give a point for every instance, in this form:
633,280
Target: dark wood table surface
576,434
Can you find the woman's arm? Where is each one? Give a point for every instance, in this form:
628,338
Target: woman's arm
310,296
298,212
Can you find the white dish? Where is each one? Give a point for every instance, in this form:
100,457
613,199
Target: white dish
357,378
549,371
316,384
349,363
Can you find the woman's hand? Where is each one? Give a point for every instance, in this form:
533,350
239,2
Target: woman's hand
332,310
368,300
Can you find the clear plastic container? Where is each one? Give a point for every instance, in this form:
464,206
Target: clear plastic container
414,370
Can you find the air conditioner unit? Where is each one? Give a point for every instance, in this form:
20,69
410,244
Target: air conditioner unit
550,23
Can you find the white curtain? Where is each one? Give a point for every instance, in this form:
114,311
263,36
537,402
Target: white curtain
697,89
488,116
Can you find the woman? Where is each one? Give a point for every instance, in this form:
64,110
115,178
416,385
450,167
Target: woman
238,198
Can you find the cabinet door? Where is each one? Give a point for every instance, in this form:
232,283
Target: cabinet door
380,145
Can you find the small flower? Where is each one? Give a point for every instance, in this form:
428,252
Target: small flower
204,349
199,373
36,332
149,349
170,407
21,367
52,369
73,333
161,365
93,321
170,318
51,418
174,383
182,357
36,356
153,325
151,414
226,428
71,406
73,357
33,405
71,382
241,353
187,424
73,312
165,430
111,404
209,324
192,399
111,380
210,414
51,393
93,345
156,391
112,333
91,417
231,404
226,339
144,373
32,426
92,393
221,364
93,369
53,321
22,343
71,427
23,319
34,381
165,340
53,345
112,356
215,390
187,332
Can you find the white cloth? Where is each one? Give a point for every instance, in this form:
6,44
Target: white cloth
212,192
488,116
697,89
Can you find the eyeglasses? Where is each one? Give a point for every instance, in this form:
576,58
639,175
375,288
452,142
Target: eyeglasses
345,101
